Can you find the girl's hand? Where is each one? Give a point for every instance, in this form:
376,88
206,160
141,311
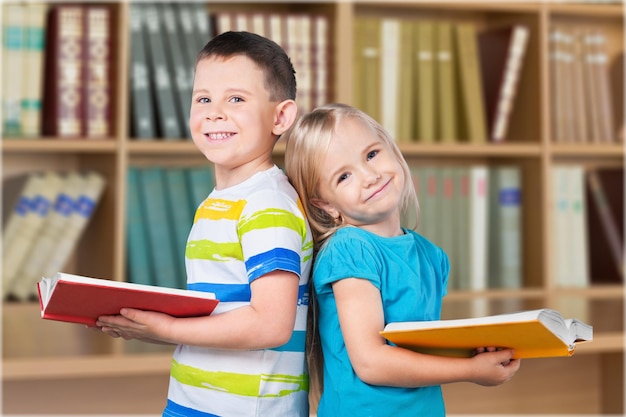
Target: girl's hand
494,366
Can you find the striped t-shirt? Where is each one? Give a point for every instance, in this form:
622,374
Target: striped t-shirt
240,234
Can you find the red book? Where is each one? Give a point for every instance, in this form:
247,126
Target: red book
79,299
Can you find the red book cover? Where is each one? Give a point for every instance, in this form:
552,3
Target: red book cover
79,299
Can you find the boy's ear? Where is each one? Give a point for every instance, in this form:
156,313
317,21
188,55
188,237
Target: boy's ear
286,113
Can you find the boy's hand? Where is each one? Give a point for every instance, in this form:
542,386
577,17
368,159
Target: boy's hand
135,324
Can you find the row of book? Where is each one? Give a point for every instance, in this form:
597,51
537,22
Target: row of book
587,212
166,38
475,214
57,70
46,214
434,81
161,205
583,109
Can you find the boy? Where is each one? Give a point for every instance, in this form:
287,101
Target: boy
250,244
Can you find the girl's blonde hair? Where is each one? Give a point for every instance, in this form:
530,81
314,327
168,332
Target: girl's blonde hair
308,142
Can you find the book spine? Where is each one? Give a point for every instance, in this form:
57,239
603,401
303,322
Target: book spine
82,212
143,118
168,121
445,86
97,89
508,89
607,220
63,108
30,226
53,228
139,258
405,102
425,81
389,74
12,46
470,84
479,226
33,69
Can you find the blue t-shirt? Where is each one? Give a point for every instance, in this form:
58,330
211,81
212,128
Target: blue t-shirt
411,274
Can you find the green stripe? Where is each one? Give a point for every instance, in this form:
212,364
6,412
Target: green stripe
240,384
272,217
214,251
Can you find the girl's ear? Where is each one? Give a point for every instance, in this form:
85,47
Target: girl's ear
327,207
286,112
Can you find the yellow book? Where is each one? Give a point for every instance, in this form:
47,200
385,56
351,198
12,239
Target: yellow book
445,85
471,89
425,81
532,334
367,59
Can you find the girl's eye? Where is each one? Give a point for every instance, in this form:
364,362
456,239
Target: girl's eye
342,177
236,100
371,154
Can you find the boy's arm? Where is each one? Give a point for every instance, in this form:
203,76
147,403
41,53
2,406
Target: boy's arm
267,322
361,317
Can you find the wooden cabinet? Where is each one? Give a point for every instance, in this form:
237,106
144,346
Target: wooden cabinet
48,359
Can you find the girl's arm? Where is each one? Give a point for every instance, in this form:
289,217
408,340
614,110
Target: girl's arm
361,317
267,322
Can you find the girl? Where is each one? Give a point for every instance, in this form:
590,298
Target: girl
370,271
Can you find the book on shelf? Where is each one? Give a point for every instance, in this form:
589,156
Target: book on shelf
177,63
321,59
502,51
405,92
367,53
604,194
143,121
43,245
138,255
80,299
424,80
478,217
389,74
97,72
570,241
538,333
445,87
13,27
32,70
470,84
159,228
62,104
596,70
560,59
168,121
29,214
580,106
505,228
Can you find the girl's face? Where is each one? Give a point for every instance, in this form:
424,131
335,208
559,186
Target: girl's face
361,180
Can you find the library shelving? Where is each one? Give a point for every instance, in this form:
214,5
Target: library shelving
72,369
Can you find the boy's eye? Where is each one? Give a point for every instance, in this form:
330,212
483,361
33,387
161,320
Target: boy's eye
371,154
204,100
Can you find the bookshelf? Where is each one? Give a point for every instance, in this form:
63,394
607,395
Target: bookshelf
46,359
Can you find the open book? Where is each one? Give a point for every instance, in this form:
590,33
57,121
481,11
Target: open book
79,299
533,334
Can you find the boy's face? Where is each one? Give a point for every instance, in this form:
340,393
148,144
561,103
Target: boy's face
232,120
361,179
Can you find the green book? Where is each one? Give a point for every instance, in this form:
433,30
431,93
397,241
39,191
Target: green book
181,216
139,260
159,227
201,183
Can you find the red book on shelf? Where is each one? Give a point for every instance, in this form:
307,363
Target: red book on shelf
62,103
79,299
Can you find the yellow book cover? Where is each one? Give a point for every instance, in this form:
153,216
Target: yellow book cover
425,81
532,334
